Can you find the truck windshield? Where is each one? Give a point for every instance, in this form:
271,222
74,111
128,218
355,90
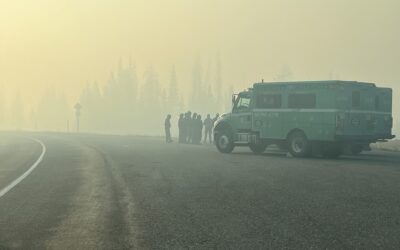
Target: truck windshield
242,103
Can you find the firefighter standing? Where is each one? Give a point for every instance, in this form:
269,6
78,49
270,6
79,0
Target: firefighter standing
208,124
167,126
181,128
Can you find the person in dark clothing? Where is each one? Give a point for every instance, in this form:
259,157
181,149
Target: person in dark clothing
187,124
213,122
199,129
215,119
167,126
192,129
208,125
181,129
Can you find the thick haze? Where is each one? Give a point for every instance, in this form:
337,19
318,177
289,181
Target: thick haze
63,44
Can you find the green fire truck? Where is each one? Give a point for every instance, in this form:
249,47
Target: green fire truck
325,117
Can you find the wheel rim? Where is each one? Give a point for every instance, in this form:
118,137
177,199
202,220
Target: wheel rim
223,141
298,144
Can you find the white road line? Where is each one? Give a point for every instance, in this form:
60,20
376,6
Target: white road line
24,175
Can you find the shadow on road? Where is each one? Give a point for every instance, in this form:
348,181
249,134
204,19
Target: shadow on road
266,154
383,158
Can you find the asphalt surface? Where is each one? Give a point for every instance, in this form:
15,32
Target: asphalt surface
126,192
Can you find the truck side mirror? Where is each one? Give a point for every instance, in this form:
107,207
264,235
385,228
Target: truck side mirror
233,99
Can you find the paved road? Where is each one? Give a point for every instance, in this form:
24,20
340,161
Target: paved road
114,192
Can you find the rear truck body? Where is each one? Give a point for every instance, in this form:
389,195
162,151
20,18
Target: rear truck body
330,117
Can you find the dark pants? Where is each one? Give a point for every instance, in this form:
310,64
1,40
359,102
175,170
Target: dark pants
182,136
207,132
190,135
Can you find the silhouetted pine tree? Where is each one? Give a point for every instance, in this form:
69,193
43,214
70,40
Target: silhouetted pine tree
210,106
218,84
181,105
109,97
196,103
228,99
127,84
164,109
93,110
150,117
97,100
173,94
117,105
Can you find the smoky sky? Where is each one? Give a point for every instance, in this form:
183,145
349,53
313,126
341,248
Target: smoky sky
62,44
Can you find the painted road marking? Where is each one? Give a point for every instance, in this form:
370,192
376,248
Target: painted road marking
5,190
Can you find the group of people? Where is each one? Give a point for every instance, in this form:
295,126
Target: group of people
191,128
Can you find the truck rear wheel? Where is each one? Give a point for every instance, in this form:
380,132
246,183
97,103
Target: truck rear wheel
224,142
298,145
258,148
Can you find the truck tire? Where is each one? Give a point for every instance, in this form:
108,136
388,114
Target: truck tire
258,148
298,145
224,142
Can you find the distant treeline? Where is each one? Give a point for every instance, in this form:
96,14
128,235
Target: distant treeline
128,104
125,104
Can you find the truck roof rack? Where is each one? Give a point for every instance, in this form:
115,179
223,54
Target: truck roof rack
324,82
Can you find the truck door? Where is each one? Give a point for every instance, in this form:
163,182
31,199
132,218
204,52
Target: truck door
241,114
267,119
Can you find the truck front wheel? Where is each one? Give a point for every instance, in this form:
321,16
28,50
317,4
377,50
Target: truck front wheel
298,145
224,142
